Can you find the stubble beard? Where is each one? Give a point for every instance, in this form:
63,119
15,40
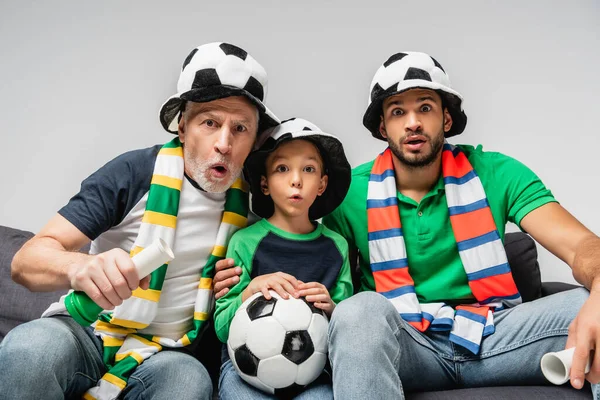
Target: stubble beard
199,171
418,160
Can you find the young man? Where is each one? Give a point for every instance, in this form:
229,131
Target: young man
428,220
186,192
296,177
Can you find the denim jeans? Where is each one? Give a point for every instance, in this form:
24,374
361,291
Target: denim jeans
377,355
55,358
232,387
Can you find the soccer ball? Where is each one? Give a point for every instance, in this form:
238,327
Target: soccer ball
278,345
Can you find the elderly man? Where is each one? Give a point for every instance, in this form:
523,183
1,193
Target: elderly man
187,192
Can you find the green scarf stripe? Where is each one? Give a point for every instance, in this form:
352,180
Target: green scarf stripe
157,278
209,269
237,202
109,355
124,368
163,199
173,144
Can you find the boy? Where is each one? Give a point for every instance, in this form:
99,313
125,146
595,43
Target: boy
297,176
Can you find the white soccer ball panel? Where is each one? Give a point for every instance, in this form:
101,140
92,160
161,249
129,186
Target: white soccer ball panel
233,71
240,324
207,56
265,337
277,372
254,381
318,331
310,369
293,314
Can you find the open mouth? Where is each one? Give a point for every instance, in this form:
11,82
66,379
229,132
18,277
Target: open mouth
296,197
219,170
414,141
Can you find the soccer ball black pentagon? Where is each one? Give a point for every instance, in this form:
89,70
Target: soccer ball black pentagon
277,345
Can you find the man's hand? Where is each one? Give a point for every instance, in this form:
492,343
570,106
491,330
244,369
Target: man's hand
226,276
317,294
107,278
283,284
584,335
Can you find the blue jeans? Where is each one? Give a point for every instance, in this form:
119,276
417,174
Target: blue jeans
377,355
55,358
232,387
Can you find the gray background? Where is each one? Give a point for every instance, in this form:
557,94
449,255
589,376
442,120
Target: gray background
82,81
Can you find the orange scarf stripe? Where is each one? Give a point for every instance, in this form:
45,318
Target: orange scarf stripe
387,280
381,219
472,224
501,285
455,166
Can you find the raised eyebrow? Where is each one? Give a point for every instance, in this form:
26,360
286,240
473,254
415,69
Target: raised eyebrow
425,98
209,114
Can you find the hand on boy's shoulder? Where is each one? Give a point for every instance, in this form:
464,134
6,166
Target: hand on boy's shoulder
225,277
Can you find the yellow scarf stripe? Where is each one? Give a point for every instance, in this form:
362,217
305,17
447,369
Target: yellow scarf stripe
173,151
150,294
110,341
185,340
102,326
115,380
88,396
147,342
167,181
205,283
200,316
241,185
135,250
136,356
219,251
234,219
128,324
156,218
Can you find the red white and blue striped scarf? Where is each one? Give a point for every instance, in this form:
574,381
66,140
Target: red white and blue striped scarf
479,246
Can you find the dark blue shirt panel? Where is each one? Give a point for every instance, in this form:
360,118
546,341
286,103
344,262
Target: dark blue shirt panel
316,260
109,194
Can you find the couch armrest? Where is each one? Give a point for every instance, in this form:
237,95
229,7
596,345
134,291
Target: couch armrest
549,288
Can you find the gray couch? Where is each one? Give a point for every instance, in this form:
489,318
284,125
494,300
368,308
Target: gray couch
18,305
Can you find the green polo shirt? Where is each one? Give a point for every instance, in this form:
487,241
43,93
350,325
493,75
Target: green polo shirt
512,189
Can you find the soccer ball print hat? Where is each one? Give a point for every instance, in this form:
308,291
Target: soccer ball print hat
412,70
215,71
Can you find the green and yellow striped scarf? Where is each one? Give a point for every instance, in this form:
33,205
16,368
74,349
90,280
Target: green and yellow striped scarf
124,348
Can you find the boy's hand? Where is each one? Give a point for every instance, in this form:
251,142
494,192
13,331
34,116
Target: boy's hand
317,294
283,284
225,277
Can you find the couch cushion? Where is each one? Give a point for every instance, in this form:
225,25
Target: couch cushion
17,304
522,258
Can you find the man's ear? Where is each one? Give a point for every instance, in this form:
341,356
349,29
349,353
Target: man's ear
382,130
264,187
323,185
447,120
181,130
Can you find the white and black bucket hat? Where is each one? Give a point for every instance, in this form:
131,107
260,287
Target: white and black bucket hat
214,71
336,166
412,70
